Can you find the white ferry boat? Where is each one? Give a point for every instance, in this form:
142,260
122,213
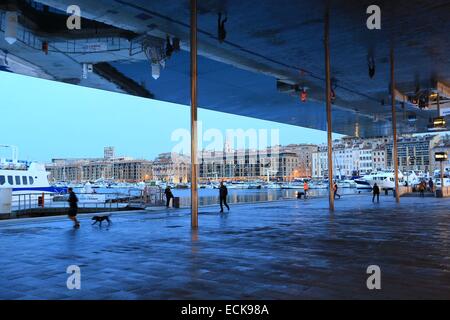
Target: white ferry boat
384,179
24,177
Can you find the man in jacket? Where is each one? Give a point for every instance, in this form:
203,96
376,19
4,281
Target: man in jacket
376,193
169,195
73,208
223,193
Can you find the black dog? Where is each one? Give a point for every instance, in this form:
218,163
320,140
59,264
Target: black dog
101,219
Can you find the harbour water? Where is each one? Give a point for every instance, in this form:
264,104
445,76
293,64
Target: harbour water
211,196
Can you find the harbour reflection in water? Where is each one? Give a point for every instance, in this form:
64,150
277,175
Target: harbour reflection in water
211,196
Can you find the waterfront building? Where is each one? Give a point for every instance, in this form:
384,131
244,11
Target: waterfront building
109,153
414,152
352,156
172,167
379,160
304,154
109,167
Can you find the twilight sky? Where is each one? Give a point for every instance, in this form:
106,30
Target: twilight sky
47,119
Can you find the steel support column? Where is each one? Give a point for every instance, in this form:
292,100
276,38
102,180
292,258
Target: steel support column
394,127
438,104
328,106
194,167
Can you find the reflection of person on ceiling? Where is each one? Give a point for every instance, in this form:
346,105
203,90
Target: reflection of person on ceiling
221,32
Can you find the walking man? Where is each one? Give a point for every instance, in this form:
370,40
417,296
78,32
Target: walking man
335,188
169,195
422,188
376,193
73,208
305,188
431,185
223,193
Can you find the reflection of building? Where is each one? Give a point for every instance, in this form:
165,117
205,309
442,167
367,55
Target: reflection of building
414,153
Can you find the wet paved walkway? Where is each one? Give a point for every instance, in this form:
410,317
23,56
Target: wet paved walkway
279,250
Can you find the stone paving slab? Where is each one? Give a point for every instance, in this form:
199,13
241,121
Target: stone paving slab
278,250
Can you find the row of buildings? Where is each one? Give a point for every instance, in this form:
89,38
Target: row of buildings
355,156
351,157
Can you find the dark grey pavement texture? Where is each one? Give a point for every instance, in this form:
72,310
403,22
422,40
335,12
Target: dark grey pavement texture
278,250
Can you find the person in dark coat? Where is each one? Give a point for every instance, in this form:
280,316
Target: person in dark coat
431,185
223,193
376,193
335,189
73,208
169,195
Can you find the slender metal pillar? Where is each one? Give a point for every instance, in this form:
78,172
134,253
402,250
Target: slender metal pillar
194,167
438,102
328,105
394,128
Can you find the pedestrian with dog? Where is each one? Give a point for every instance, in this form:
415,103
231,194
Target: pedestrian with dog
73,208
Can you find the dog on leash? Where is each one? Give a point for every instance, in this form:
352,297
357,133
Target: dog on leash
100,219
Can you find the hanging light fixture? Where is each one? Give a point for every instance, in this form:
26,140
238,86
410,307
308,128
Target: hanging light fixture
156,70
155,50
304,95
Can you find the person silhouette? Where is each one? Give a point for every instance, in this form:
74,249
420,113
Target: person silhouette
221,31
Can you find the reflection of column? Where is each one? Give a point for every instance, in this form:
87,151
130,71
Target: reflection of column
394,128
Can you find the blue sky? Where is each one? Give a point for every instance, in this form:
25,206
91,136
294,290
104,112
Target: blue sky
47,119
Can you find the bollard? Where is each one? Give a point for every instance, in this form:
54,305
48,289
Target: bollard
6,201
